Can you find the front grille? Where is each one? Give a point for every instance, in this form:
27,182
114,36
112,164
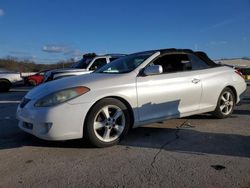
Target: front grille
24,102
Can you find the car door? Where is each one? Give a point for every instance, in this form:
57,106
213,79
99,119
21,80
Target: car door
212,80
176,92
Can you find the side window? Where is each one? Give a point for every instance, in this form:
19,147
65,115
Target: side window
98,63
174,63
112,58
197,63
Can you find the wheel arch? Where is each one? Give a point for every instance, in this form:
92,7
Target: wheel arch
4,79
7,83
124,101
234,92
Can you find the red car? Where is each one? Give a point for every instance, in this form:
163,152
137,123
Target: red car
35,79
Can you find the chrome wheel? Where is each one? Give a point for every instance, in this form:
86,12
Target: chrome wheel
109,123
226,103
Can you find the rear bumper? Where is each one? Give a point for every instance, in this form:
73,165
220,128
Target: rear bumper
241,90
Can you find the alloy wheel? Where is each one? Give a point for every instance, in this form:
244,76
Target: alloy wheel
109,123
226,103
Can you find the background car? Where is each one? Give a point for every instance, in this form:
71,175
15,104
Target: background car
7,79
89,63
35,79
132,91
246,72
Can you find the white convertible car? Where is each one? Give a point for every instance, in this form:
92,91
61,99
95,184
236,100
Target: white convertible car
134,90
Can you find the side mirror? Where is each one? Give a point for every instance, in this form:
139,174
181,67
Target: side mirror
153,70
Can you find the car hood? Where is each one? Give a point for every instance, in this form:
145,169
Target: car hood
93,80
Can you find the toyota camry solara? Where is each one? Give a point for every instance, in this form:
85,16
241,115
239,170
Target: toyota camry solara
134,90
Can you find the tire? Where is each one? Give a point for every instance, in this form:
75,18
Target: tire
107,122
4,85
32,83
225,104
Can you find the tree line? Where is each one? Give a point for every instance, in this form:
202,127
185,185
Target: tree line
13,64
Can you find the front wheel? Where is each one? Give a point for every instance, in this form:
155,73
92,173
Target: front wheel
225,104
4,86
107,123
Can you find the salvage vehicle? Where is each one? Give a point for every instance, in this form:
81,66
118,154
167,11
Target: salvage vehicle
89,63
132,91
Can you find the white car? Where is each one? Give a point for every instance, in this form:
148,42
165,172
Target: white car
134,90
7,79
11,78
88,64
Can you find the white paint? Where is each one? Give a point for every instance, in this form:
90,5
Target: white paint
152,98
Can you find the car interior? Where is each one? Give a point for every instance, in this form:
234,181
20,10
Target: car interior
174,63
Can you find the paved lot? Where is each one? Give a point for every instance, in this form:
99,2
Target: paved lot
199,151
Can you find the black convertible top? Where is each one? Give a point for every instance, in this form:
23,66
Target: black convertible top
200,54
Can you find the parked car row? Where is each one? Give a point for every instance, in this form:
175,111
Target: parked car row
88,64
131,91
10,78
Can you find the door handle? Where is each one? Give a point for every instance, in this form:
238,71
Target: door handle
195,80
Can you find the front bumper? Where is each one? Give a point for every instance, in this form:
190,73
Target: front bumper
60,122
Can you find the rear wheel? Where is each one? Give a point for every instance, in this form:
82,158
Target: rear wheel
225,104
107,123
4,85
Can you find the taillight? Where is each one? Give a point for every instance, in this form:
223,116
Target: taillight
239,73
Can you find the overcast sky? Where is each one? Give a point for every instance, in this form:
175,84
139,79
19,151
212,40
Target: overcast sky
52,30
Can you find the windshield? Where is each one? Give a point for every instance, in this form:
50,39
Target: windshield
82,64
124,64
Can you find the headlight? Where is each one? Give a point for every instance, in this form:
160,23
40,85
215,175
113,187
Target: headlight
61,96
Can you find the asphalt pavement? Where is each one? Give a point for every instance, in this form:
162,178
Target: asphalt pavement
198,151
